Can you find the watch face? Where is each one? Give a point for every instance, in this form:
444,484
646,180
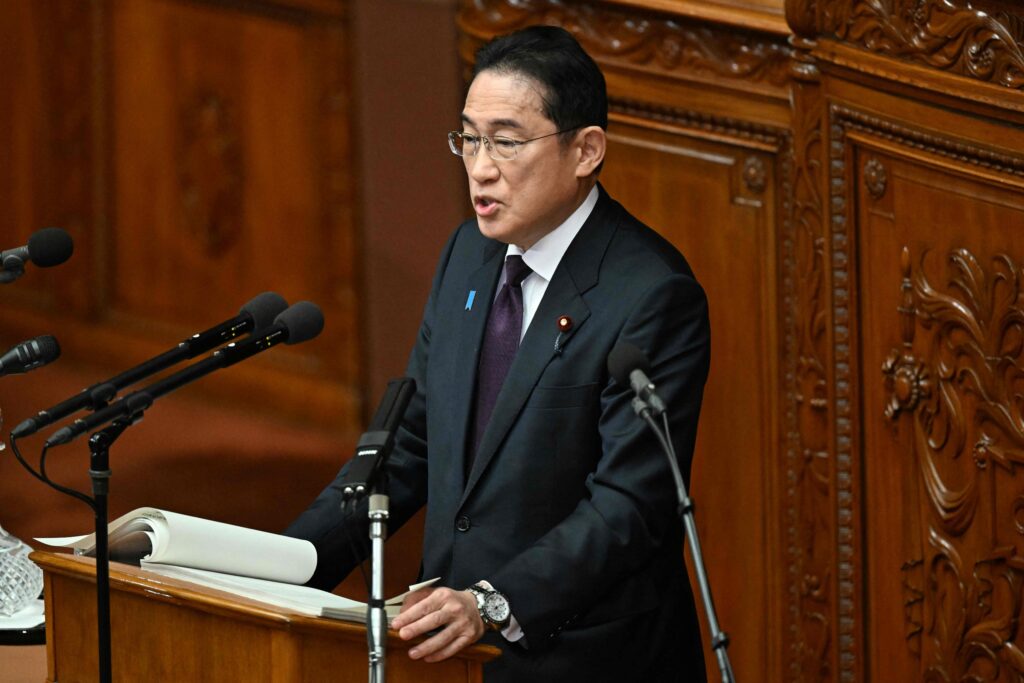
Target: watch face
496,607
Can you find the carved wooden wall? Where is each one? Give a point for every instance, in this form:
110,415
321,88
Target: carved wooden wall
915,113
849,187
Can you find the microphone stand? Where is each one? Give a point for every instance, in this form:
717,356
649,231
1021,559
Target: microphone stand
99,472
376,615
719,639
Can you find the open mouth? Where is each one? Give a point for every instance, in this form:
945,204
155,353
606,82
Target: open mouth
485,206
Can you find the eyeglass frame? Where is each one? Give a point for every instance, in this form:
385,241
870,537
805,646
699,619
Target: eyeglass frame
488,141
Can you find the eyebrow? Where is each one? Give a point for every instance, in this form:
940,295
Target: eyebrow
495,123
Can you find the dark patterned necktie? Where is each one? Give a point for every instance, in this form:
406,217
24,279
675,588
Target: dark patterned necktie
501,341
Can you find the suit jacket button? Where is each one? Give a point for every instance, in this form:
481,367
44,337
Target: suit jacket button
463,523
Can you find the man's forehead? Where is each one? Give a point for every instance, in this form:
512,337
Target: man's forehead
507,100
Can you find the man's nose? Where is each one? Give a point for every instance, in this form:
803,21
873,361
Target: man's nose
481,167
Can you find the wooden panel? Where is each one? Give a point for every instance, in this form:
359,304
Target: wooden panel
198,153
716,202
942,336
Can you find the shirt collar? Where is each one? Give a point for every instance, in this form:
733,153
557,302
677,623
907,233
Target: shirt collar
543,257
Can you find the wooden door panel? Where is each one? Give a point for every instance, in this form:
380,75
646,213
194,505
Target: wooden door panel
214,162
943,328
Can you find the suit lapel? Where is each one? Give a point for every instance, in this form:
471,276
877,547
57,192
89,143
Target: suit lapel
474,321
576,274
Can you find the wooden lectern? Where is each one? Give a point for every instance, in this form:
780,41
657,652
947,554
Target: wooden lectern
163,629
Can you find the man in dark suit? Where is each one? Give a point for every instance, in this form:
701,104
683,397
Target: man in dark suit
550,507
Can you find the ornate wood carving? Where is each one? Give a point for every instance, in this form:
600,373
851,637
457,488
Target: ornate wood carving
211,172
906,377
640,38
973,590
754,174
950,35
975,155
913,603
960,607
846,479
875,178
746,133
808,512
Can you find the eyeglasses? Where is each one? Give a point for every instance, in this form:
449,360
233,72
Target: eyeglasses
499,148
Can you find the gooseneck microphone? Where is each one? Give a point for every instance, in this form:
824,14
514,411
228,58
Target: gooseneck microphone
29,355
257,314
45,248
375,444
298,323
629,367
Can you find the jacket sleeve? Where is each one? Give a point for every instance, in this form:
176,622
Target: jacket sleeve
341,541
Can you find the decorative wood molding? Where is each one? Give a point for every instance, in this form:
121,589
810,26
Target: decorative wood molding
975,155
842,317
738,131
949,35
808,514
644,40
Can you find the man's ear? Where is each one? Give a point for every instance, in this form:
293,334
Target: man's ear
590,143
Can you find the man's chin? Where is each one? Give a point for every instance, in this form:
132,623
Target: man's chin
493,229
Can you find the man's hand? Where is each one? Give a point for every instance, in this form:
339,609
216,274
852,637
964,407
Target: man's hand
452,611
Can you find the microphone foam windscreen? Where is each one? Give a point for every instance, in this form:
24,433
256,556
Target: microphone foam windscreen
50,247
624,359
264,308
303,321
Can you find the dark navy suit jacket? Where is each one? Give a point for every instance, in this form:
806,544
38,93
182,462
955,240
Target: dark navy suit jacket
569,506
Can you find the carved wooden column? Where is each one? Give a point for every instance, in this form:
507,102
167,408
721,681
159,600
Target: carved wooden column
812,618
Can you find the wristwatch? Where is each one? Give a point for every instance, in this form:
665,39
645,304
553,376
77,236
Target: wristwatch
492,605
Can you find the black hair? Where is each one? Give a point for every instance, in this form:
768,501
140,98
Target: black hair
572,85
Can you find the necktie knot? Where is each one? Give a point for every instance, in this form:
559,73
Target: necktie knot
516,270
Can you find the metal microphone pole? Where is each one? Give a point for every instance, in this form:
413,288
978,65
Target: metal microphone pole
99,472
377,618
719,639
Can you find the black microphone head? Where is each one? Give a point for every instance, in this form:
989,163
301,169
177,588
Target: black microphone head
624,359
303,321
264,309
50,247
48,350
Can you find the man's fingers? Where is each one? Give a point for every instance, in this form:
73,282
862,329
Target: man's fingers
416,606
451,614
451,649
434,643
428,615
